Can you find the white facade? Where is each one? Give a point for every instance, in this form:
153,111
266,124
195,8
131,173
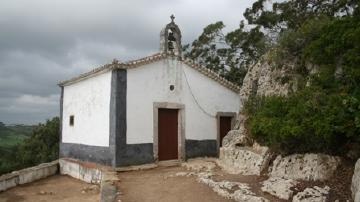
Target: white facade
88,101
202,97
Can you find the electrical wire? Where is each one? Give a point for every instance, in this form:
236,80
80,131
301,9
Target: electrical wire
192,94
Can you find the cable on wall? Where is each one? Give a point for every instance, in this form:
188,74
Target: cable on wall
192,94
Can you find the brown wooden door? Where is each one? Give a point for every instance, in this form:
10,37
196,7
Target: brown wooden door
225,127
168,134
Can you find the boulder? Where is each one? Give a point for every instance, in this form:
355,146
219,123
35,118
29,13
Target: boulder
244,160
236,138
315,194
279,187
311,167
355,184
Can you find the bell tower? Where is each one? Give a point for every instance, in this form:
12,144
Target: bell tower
170,39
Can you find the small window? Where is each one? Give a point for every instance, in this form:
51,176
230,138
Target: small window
71,121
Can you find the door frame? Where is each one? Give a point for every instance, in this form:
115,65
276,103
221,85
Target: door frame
223,114
181,128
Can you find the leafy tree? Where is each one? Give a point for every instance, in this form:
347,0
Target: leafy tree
324,116
42,146
322,39
205,49
230,54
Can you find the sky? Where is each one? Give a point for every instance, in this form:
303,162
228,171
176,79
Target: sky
43,42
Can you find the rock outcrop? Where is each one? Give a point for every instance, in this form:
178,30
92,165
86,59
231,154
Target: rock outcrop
279,187
236,138
304,166
315,194
355,184
226,189
239,153
264,80
246,160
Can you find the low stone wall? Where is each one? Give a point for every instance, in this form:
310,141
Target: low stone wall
92,173
87,172
28,175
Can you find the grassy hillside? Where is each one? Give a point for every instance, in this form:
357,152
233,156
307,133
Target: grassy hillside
23,146
14,134
10,137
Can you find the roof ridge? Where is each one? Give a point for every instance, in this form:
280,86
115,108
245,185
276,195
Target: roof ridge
149,59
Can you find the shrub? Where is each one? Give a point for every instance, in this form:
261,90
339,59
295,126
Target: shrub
310,120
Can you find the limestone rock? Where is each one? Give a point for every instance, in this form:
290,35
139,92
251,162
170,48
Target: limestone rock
305,166
244,160
355,184
262,79
236,138
315,194
231,190
279,187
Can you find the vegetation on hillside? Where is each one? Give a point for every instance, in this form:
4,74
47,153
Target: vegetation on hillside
41,146
321,36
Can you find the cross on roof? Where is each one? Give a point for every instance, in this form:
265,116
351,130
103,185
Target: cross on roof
172,18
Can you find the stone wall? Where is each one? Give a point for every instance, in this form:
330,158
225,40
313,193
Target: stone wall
28,175
87,172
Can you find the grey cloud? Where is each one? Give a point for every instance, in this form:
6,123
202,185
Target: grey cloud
43,42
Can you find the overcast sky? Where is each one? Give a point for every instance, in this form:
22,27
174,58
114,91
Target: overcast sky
43,42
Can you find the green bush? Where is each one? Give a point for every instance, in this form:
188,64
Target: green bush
325,116
309,120
42,146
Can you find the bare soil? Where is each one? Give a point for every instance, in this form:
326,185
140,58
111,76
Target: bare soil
54,188
156,185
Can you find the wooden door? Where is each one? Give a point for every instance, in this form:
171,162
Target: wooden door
168,134
225,127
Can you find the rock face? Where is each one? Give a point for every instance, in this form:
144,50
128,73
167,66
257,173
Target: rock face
279,187
239,154
244,160
236,138
305,166
262,79
315,194
355,185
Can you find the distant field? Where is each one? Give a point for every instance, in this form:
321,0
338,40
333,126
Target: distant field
12,135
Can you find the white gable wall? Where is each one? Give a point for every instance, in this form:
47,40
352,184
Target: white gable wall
150,83
89,102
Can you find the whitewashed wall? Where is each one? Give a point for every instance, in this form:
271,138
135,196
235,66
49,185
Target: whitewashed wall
89,102
150,83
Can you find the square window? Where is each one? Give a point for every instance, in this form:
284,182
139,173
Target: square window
71,121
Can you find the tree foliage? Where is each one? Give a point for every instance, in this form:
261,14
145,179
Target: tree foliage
322,39
323,116
230,54
42,146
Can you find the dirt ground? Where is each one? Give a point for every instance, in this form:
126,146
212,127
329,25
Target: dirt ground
155,185
54,188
